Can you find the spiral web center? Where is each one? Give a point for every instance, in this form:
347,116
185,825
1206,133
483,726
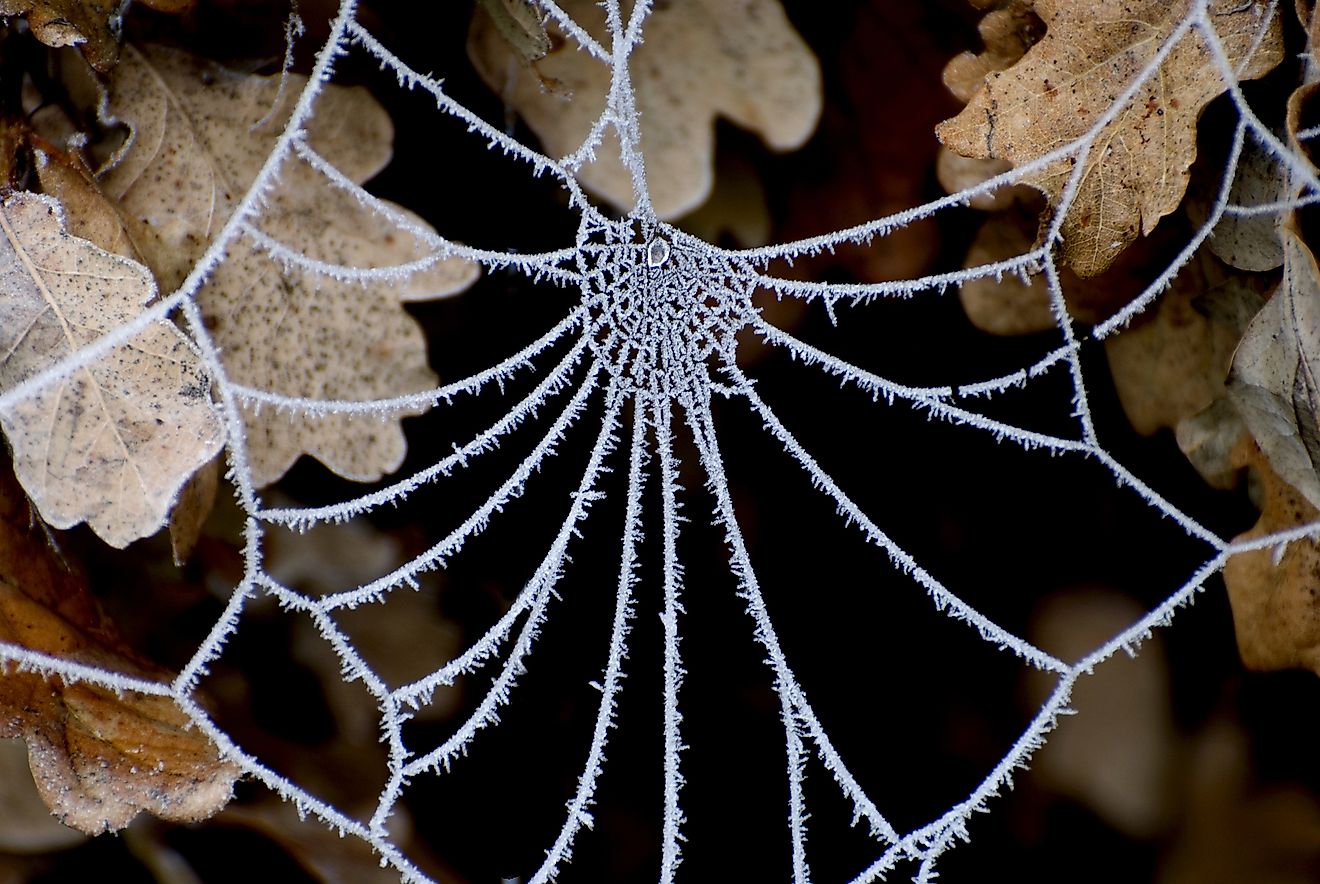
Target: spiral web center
662,307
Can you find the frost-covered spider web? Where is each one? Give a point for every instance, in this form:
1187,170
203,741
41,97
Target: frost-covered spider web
645,358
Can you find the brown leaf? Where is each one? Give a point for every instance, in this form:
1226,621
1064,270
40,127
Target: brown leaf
87,212
1007,306
87,24
170,6
1137,170
1274,597
1238,827
700,59
736,208
91,25
98,758
112,443
196,146
1273,381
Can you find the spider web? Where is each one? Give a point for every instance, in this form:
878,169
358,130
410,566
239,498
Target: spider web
649,344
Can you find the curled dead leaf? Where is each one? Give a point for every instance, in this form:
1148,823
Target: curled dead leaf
699,60
1137,169
99,758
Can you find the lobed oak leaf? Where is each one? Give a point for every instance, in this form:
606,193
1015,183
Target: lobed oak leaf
1137,169
200,134
699,60
98,758
111,444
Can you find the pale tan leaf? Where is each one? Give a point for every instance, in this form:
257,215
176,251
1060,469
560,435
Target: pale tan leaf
196,146
1273,381
1011,305
111,444
1137,169
957,173
98,758
699,60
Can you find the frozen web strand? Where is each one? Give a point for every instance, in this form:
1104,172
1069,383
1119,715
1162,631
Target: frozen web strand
671,850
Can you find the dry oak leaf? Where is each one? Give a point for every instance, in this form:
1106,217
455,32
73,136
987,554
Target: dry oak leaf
200,134
98,758
699,59
1137,169
1273,382
1276,597
111,444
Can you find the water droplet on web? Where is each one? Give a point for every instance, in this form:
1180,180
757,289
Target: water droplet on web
657,252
